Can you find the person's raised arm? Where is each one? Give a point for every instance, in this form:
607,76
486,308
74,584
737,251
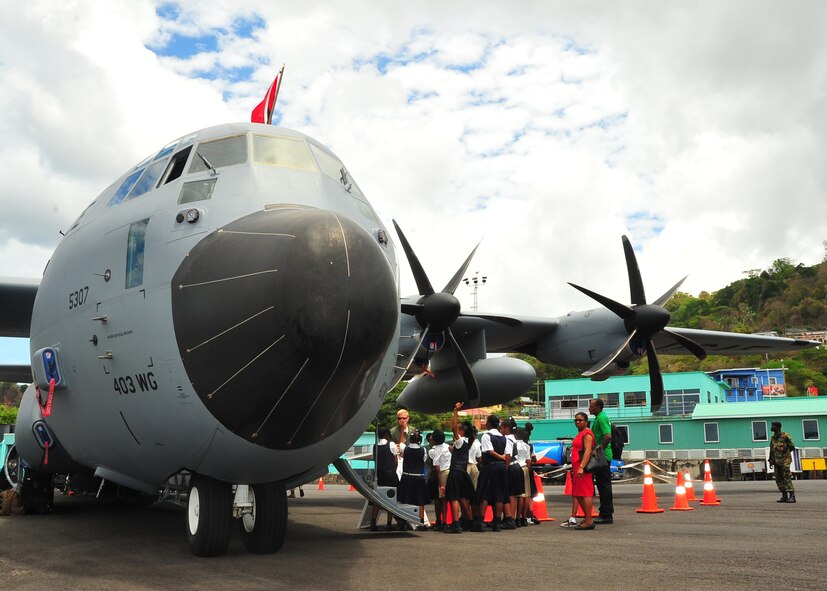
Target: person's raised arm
455,421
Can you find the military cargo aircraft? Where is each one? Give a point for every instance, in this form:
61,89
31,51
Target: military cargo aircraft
224,321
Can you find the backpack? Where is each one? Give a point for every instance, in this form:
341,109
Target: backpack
616,442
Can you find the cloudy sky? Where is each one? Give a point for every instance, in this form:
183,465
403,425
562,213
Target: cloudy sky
545,129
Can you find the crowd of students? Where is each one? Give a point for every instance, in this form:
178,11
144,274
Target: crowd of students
465,477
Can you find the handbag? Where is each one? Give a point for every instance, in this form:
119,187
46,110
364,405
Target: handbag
597,461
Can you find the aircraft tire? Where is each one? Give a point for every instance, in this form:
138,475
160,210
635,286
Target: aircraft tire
209,516
263,531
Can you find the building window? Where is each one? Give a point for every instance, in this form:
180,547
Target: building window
610,400
711,433
665,433
631,399
624,432
759,430
810,428
679,402
135,254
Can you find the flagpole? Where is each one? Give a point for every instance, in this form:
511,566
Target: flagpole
279,77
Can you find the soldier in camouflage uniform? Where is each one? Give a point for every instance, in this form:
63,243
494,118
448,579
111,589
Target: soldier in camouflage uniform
781,448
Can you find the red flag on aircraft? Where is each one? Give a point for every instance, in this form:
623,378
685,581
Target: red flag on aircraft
263,113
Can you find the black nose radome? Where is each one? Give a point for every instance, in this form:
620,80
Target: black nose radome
282,320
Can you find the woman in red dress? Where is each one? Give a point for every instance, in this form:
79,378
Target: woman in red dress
582,484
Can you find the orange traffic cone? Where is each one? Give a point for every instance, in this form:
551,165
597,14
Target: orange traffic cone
538,503
681,503
321,484
351,488
650,499
449,515
709,488
567,488
690,490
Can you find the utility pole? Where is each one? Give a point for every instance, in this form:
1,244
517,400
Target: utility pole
477,281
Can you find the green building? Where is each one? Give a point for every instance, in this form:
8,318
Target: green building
695,421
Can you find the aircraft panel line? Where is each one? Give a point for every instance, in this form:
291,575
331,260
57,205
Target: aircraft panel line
227,279
269,414
333,373
231,328
210,395
344,239
258,233
342,399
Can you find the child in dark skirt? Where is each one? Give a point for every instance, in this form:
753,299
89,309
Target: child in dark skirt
459,490
385,454
412,488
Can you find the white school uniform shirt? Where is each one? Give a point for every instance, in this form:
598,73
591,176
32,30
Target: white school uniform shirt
523,453
441,455
475,453
486,445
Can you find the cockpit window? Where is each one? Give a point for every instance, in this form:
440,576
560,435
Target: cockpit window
135,254
282,151
166,150
148,179
332,167
125,187
227,151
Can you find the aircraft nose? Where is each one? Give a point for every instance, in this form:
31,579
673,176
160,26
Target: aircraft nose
282,319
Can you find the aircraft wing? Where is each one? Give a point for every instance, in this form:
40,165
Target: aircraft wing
728,343
16,303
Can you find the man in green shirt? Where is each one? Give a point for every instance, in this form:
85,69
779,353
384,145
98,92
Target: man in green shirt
602,429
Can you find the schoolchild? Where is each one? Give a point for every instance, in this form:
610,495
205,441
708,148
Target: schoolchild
492,488
516,480
524,461
440,454
412,488
459,491
385,454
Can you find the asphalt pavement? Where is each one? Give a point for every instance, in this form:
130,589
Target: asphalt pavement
748,542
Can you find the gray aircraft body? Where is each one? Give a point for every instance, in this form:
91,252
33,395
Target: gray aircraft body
226,317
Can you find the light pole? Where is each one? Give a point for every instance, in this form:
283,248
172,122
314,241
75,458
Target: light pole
477,281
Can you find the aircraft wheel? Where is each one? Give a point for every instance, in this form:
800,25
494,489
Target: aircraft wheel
11,468
262,531
209,515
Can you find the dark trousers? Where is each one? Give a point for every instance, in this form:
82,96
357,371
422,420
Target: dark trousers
603,482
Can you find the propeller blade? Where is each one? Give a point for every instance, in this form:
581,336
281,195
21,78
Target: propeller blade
423,284
608,359
687,344
452,285
472,389
635,281
661,301
621,310
655,377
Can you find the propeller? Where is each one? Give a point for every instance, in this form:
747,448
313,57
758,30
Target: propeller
436,311
642,321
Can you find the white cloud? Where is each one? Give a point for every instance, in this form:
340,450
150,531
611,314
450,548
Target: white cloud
551,131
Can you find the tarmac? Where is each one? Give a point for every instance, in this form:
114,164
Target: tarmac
748,542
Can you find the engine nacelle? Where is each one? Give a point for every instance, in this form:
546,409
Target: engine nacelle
500,379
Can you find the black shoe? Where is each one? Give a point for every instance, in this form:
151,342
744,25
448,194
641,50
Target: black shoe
784,498
454,528
535,521
496,525
509,524
477,526
603,520
791,498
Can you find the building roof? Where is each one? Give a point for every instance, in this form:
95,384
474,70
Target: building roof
628,383
775,407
